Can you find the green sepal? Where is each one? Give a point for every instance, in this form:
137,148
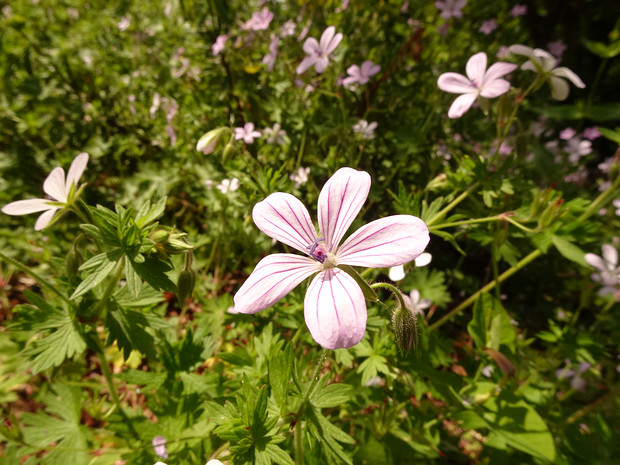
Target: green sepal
366,289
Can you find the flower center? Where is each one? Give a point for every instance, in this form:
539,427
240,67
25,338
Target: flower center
318,252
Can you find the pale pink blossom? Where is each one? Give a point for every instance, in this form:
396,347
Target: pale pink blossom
270,58
334,306
556,48
544,64
567,133
451,8
60,190
300,177
219,44
319,52
488,26
288,28
415,303
276,135
247,133
155,105
518,10
365,129
577,148
479,82
124,23
360,75
259,21
616,204
304,31
591,133
159,446
503,52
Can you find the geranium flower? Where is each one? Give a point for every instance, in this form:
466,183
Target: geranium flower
270,58
518,10
607,266
414,302
360,75
276,135
365,129
451,8
300,177
159,446
319,53
543,63
259,21
61,191
488,26
557,48
247,133
334,306
219,44
228,185
479,82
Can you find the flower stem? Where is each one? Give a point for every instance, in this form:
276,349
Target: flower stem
500,279
452,204
116,275
394,290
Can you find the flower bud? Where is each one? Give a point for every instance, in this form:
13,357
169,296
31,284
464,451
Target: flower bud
186,284
405,329
160,236
208,142
438,182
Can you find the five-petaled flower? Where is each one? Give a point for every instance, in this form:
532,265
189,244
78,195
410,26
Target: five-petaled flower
451,8
319,53
543,63
608,272
334,306
61,191
247,133
360,75
479,82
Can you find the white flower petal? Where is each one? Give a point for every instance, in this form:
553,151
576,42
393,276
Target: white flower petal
340,201
283,217
394,240
476,67
24,207
54,185
461,104
455,83
595,261
559,88
335,310
396,273
75,170
610,255
568,74
423,260
275,276
44,219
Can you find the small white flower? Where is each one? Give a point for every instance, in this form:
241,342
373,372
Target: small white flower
300,177
415,304
228,185
577,148
124,23
61,192
275,135
365,129
487,371
607,266
214,462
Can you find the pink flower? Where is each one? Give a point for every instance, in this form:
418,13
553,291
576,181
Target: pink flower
451,8
270,58
288,28
362,74
488,26
61,191
479,82
334,307
567,133
518,10
260,20
159,446
577,148
591,133
319,53
219,44
556,48
247,133
365,129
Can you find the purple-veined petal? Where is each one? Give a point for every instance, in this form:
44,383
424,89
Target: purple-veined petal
476,66
326,38
610,255
311,46
559,88
283,217
335,310
340,201
305,64
568,74
497,70
275,276
24,207
54,185
44,219
455,83
461,104
495,88
75,170
390,241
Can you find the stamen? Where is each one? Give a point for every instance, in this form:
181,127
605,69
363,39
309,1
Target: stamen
316,251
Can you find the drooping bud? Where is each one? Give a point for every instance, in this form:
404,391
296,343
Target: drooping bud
208,142
187,280
405,329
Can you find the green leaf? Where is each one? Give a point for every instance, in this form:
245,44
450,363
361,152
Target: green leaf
569,250
153,271
149,213
133,281
328,437
332,395
277,455
128,328
490,325
64,342
603,50
280,368
519,425
99,273
613,135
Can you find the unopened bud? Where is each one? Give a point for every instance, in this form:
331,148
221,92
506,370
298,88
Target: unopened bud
228,150
186,284
405,329
208,143
160,236
438,182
